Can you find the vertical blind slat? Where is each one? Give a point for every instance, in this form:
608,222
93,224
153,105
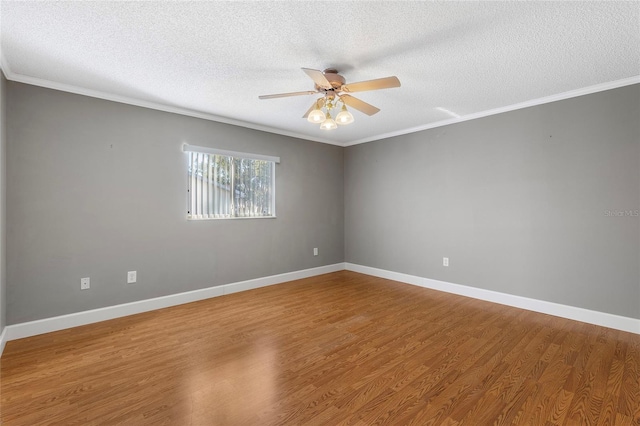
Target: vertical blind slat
228,196
209,187
199,187
192,199
205,186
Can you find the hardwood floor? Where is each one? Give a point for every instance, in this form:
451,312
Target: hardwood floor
338,349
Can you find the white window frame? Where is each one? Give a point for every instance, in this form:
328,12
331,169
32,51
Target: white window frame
194,186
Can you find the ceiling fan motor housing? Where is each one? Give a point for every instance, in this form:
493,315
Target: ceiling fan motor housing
336,80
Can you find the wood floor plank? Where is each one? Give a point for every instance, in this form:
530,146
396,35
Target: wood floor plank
629,403
337,349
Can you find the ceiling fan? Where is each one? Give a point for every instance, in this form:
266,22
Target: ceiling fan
333,88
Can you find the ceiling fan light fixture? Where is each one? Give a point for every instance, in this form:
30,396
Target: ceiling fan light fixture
316,116
344,117
328,123
331,86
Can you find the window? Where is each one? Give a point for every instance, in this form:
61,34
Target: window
226,184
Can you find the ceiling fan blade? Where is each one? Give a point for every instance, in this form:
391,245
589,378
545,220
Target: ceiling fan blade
318,77
361,106
284,95
379,83
317,104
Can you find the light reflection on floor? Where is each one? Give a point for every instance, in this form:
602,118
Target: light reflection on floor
233,391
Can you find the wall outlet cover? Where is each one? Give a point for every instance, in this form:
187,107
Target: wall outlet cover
85,283
132,277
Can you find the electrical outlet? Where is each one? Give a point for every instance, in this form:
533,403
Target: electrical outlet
132,276
445,261
315,251
85,283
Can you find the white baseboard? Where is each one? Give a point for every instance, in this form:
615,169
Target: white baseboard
47,325
604,319
277,279
3,339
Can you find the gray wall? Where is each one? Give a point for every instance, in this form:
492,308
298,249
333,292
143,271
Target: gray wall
517,201
97,188
3,227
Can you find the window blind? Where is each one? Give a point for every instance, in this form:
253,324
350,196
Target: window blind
227,184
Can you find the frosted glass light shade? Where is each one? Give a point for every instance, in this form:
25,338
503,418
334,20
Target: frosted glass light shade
328,123
344,117
315,116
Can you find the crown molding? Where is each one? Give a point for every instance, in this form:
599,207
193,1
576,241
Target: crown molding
19,78
544,100
4,65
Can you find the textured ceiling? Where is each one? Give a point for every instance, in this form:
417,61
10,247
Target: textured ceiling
455,60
